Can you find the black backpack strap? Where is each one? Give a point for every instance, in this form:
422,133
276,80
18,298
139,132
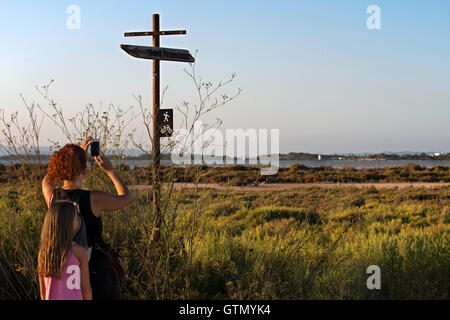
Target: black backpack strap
78,197
56,195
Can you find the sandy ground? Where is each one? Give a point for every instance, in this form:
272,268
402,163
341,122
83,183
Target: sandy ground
288,186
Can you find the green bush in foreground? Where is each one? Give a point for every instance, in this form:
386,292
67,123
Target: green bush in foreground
311,243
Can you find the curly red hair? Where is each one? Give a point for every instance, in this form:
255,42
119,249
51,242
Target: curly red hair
67,163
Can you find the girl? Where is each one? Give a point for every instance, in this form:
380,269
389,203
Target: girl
62,264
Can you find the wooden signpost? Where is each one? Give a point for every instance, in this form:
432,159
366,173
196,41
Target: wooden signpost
162,119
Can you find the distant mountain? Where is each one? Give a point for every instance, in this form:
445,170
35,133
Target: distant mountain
400,153
365,154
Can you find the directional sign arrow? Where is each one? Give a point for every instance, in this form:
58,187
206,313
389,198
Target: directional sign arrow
158,53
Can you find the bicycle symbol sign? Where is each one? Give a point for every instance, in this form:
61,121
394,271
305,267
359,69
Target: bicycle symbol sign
165,122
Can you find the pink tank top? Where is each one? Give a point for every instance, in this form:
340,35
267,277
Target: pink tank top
69,286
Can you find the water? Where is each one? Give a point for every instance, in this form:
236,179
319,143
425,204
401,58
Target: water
358,164
333,163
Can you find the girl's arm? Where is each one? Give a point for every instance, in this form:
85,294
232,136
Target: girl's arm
81,253
42,287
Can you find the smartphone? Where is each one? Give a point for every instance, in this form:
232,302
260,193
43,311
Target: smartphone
95,148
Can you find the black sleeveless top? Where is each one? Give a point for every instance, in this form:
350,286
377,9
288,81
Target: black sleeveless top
90,232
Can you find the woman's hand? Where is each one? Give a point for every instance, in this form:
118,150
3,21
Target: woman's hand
104,163
85,145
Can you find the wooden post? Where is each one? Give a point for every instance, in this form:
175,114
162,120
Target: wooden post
156,53
156,143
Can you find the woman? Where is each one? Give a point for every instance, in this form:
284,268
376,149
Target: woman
69,166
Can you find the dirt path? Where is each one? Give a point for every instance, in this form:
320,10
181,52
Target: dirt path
288,186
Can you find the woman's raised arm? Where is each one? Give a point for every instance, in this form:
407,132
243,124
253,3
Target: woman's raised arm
47,188
103,201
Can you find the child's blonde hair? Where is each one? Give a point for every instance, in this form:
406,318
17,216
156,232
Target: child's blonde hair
56,238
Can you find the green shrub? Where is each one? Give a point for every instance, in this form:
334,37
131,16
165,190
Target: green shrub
310,243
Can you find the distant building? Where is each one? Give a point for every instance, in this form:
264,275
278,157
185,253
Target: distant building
319,157
436,154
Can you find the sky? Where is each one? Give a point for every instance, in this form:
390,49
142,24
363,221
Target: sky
309,68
